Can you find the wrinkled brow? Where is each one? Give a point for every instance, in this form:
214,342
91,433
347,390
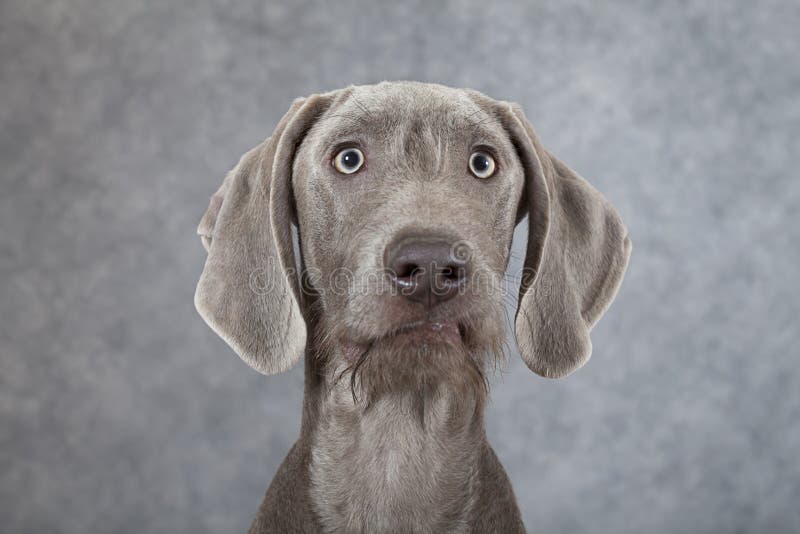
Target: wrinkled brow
360,122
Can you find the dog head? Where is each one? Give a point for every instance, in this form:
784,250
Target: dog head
405,197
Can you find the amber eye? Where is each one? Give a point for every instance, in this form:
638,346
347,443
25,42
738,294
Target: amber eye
481,164
348,161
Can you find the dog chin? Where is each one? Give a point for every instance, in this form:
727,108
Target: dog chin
419,357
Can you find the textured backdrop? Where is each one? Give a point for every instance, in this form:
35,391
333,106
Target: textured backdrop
121,411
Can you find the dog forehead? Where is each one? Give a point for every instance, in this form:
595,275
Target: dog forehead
382,110
411,98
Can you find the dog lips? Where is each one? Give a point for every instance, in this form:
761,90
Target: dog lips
448,329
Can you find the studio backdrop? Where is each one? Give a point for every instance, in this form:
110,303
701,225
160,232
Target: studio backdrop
121,411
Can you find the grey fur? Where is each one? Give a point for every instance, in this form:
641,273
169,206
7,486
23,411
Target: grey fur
396,441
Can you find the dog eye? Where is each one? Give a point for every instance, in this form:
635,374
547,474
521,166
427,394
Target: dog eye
481,164
348,161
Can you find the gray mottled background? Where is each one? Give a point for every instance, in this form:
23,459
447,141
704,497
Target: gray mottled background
120,411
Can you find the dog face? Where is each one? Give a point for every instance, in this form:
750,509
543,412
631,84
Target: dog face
405,197
406,202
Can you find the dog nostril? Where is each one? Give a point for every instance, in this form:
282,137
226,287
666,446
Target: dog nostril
451,273
407,270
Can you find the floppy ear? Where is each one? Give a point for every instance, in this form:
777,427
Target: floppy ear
577,253
248,292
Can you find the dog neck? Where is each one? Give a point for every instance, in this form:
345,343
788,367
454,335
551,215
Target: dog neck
402,461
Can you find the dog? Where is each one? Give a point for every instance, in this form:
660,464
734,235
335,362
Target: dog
405,196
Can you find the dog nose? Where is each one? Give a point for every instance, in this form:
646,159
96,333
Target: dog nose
424,269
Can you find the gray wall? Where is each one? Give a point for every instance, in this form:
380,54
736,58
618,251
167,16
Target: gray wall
120,411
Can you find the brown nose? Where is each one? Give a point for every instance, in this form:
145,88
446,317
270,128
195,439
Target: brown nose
425,269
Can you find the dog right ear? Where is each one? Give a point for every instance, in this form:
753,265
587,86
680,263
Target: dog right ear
248,292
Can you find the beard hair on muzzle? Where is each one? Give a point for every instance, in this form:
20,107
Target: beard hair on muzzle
398,365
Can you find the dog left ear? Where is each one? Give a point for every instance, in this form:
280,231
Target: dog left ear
249,292
577,253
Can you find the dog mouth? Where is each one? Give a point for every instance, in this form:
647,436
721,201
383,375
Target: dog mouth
425,332
432,330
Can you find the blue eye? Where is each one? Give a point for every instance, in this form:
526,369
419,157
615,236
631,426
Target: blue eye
348,160
481,164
